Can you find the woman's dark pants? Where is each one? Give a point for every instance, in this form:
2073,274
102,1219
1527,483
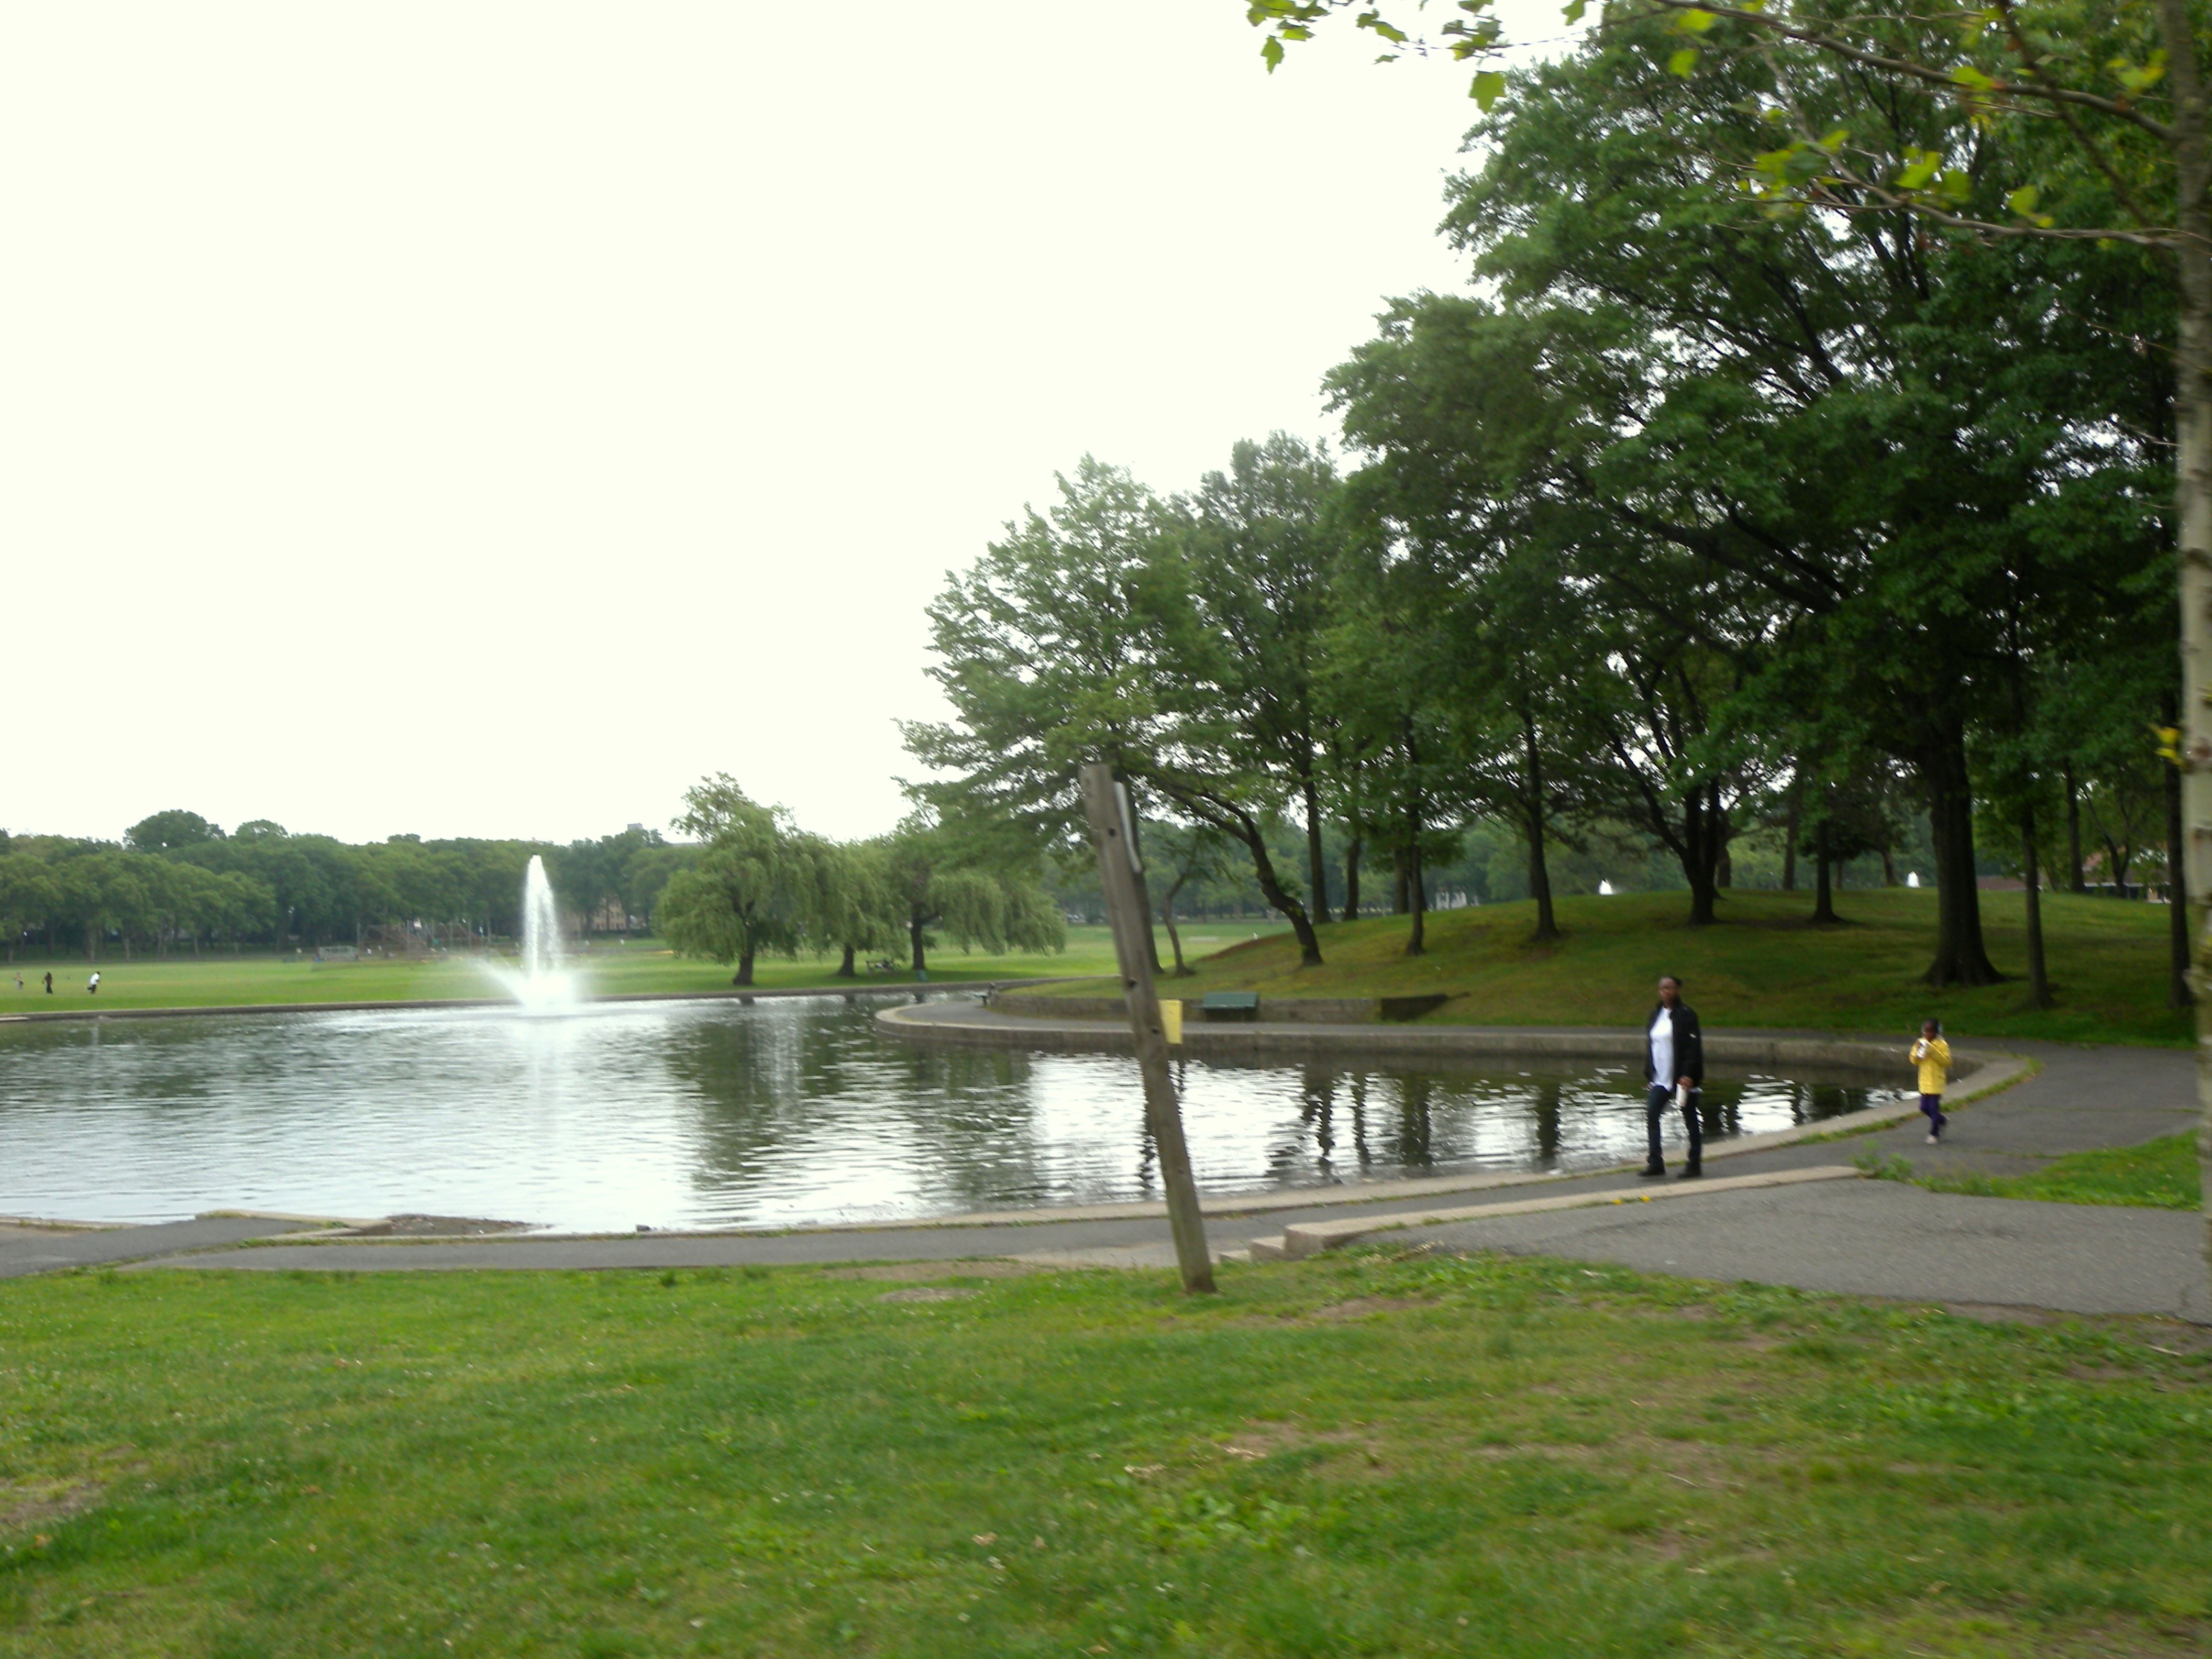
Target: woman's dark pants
1655,1110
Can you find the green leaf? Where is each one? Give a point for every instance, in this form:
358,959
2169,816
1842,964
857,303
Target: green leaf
2139,78
1972,79
1682,61
1694,21
1573,10
1489,86
1920,165
1272,49
2023,200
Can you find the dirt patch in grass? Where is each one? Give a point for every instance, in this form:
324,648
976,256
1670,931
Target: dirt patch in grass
909,1272
929,1293
25,1507
1362,1307
1258,1440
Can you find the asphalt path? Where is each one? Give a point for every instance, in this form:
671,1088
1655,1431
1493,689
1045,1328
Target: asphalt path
1881,1238
26,1250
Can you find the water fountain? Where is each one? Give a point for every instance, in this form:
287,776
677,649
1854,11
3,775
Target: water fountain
539,980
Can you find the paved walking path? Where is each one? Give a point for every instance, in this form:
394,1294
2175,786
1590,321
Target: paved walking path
47,1249
1882,1238
1872,1237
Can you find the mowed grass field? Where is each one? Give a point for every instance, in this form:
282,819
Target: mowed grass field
610,968
1760,965
1370,1455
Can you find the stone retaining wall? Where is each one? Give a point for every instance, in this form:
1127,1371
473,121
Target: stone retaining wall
1300,1011
1880,1061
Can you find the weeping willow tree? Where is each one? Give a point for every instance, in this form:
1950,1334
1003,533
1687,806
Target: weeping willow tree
951,886
760,887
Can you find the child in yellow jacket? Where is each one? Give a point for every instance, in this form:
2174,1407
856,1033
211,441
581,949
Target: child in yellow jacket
1933,1056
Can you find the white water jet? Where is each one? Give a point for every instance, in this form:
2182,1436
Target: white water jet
539,980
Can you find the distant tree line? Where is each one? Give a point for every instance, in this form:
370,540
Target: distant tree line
179,883
1698,525
749,883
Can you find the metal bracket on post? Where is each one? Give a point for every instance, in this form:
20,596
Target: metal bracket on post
1106,803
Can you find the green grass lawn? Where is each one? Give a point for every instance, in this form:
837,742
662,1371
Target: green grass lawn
221,981
2159,1174
1364,1455
1760,966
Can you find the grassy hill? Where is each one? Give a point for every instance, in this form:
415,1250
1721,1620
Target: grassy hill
1762,965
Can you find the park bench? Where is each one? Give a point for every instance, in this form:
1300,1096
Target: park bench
1230,1005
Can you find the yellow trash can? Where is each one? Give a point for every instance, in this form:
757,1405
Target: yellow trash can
1171,1019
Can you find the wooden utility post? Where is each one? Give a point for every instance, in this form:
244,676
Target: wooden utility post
1121,879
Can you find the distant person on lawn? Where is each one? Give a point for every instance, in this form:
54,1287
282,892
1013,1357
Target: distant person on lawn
1933,1056
1674,1067
92,985
50,982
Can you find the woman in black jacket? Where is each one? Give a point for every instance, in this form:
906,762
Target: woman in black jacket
1673,1066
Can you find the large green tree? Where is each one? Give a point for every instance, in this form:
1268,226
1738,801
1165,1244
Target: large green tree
757,887
1079,636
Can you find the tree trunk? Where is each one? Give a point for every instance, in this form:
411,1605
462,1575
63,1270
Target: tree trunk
2038,981
1417,936
1174,938
1316,863
1699,854
1824,897
2177,993
1790,825
1889,867
1961,956
845,969
1271,887
1351,849
2076,882
914,928
1539,871
745,969
1398,906
2192,409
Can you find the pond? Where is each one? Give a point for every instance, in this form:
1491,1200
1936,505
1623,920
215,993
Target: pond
716,1113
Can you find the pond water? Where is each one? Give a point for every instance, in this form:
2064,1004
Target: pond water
715,1113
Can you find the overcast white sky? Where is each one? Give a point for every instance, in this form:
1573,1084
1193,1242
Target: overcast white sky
483,419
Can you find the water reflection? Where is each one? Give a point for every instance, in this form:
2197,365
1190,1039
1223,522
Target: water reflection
708,1114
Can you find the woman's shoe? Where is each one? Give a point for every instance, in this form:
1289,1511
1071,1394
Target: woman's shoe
1651,1169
